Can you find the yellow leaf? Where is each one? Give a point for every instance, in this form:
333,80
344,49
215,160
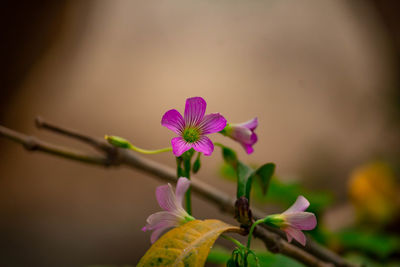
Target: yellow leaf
187,245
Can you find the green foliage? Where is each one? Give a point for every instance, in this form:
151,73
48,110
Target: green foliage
378,244
282,193
244,180
361,259
219,255
264,175
197,163
229,156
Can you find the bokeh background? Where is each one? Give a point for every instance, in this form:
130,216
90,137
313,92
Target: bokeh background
321,76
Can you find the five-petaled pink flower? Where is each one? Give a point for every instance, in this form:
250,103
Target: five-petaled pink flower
173,214
243,133
295,219
193,127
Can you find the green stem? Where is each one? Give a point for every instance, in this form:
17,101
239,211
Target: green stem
188,200
187,166
235,241
219,144
146,151
252,230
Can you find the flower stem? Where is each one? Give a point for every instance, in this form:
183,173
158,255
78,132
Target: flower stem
235,241
186,159
252,230
219,144
145,151
188,200
188,195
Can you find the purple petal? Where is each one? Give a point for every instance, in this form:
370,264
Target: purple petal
179,146
212,123
194,110
253,138
301,204
249,149
295,234
242,135
302,220
204,145
181,188
173,120
251,124
166,198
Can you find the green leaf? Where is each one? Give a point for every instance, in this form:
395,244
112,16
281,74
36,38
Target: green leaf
186,245
264,175
197,164
265,258
231,263
381,245
229,156
244,176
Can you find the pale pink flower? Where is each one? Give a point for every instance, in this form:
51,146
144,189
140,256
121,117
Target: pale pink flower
174,214
295,219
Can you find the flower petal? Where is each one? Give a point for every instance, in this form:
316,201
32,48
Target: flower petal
166,198
173,120
161,218
242,135
295,234
194,110
158,232
249,149
253,138
301,204
180,146
251,124
212,123
204,145
302,220
181,188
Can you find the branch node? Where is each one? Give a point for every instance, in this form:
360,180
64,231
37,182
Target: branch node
39,122
30,143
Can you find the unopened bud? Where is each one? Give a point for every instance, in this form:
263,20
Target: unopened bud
118,141
242,211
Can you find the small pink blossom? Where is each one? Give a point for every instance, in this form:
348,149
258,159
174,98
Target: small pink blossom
174,214
193,127
243,133
295,219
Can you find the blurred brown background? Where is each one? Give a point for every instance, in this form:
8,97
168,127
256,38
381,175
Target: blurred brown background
322,77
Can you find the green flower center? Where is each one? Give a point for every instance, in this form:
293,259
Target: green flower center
191,135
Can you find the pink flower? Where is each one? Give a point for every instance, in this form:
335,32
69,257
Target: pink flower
173,214
243,133
294,219
193,128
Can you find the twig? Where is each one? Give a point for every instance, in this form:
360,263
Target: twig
276,244
312,255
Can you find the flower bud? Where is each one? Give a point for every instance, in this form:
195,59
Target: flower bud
118,141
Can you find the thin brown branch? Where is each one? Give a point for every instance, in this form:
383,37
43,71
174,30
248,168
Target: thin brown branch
276,244
312,255
33,144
